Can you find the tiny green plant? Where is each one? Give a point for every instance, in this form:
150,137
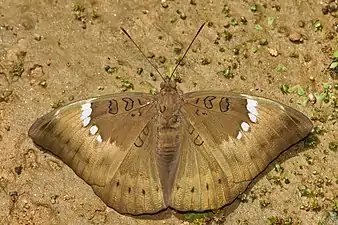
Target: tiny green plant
281,68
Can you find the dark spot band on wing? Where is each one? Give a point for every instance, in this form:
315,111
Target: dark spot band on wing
113,107
224,104
139,101
129,103
208,102
198,141
139,142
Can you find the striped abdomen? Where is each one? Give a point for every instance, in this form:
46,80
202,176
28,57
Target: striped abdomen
168,146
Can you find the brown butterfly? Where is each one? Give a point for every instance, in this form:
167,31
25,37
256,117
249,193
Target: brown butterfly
143,153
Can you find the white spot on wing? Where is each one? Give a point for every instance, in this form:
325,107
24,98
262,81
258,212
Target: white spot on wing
86,113
251,106
99,138
245,126
239,135
86,121
85,106
93,130
252,117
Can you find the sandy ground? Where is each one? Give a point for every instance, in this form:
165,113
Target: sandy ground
56,51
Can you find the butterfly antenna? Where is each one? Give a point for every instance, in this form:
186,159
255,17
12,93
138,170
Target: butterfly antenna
186,51
126,33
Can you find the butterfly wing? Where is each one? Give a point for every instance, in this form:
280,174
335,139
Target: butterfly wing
228,139
110,143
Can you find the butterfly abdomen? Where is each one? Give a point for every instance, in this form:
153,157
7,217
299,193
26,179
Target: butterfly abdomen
168,145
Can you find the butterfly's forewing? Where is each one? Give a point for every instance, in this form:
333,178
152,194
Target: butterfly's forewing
109,142
228,139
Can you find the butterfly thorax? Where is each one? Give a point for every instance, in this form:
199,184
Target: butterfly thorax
168,104
169,101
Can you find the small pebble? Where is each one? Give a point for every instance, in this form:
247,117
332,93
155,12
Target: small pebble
273,52
295,37
7,127
37,37
192,2
210,24
243,20
307,58
205,61
325,10
183,16
43,83
263,42
162,59
330,35
177,50
18,170
164,4
150,55
312,98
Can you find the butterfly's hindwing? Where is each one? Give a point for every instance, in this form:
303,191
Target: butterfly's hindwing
135,187
199,183
109,142
228,140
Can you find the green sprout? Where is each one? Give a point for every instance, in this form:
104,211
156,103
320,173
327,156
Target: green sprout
311,141
318,26
258,27
284,89
196,218
127,85
227,73
306,192
271,21
254,49
333,146
227,35
139,70
253,8
327,95
233,22
281,68
110,69
153,91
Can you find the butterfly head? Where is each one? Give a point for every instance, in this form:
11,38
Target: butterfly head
168,86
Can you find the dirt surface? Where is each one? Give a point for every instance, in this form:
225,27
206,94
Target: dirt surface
56,51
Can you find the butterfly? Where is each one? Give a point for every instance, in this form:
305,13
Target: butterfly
143,153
